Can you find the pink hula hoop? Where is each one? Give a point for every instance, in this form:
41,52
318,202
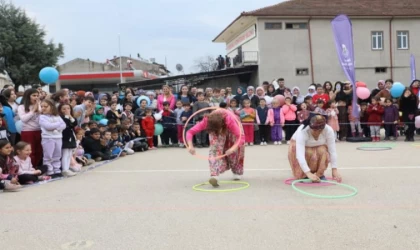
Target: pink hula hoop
310,184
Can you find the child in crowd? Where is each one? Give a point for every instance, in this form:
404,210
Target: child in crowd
99,113
52,127
375,112
140,113
262,121
303,113
320,107
27,174
201,137
90,126
95,146
68,141
114,113
364,119
104,103
115,145
289,112
169,126
320,95
216,99
332,113
148,124
234,107
247,116
127,114
354,122
276,121
9,169
309,106
185,115
390,120
179,125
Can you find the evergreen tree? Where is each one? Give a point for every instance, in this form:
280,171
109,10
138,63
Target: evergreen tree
23,50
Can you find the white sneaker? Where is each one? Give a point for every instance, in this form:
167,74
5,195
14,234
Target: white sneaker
68,173
276,143
181,145
265,143
237,177
9,187
213,181
262,144
251,144
129,151
279,143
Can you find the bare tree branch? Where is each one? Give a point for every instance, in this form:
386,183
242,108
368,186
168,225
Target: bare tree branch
205,64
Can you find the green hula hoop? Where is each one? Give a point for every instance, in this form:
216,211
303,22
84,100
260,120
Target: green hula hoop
325,196
215,190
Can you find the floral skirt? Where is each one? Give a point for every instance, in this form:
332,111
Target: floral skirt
218,146
317,158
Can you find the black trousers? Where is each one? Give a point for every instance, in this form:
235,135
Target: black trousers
390,130
289,129
169,134
366,130
104,156
26,178
410,127
265,131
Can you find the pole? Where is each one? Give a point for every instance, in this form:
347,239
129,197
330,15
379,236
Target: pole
119,49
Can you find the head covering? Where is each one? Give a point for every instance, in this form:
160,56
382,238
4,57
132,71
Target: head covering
299,98
88,93
150,93
260,88
312,87
250,87
317,121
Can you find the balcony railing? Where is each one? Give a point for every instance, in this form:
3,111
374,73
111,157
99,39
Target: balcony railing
247,58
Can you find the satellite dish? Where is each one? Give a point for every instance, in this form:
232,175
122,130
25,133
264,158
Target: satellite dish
179,67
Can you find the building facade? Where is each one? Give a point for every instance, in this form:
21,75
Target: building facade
294,40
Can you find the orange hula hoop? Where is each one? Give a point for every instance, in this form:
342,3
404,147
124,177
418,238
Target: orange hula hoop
238,141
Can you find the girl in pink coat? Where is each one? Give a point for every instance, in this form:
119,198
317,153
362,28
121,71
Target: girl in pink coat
289,112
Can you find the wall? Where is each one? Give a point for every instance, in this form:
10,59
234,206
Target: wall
281,52
232,81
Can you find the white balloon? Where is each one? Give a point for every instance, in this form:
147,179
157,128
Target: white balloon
268,99
158,116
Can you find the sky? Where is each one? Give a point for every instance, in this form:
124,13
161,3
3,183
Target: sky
180,30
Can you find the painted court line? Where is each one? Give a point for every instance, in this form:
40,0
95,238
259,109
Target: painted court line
251,170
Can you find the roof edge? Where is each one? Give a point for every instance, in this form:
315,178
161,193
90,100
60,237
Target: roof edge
223,31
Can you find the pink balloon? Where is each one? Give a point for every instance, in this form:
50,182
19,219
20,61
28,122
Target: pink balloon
363,93
417,122
280,98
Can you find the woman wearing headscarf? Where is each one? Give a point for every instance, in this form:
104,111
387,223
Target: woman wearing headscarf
297,98
312,148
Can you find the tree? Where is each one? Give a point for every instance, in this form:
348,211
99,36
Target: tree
205,64
22,46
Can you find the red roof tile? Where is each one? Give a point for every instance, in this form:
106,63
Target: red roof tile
336,7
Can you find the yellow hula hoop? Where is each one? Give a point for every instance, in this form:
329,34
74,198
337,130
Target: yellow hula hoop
216,190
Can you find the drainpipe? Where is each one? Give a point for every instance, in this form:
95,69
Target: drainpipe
310,49
390,46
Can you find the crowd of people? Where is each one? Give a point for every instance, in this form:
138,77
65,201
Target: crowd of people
45,136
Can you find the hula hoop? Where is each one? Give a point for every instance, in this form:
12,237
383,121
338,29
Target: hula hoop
377,148
197,187
309,184
381,145
325,196
238,141
415,145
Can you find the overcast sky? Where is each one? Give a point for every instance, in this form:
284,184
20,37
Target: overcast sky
181,30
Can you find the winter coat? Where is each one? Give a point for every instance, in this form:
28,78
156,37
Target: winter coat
375,115
69,140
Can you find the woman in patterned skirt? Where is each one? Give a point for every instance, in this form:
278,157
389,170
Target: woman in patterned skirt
224,131
312,148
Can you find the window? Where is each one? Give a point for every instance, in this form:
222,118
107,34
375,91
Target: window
273,26
377,40
380,70
402,39
296,26
302,72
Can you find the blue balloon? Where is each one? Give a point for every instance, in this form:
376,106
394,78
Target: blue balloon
48,75
397,89
19,100
104,122
143,97
158,129
18,125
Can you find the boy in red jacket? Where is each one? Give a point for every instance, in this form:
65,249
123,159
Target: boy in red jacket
375,111
148,124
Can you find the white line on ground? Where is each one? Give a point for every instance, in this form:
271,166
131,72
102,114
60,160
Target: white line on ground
251,170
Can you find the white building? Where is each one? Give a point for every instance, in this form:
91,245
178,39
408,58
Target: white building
294,40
